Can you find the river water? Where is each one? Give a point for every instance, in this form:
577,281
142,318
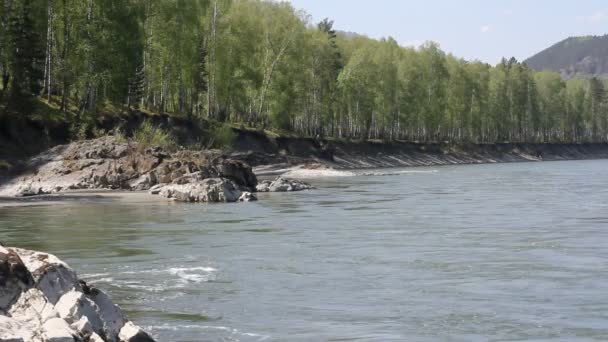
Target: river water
463,253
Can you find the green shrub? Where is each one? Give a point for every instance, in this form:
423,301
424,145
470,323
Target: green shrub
149,134
223,136
5,166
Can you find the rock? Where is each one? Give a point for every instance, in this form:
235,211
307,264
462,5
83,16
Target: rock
264,186
76,309
141,184
83,326
211,190
95,338
43,301
14,277
106,163
51,276
283,185
155,190
12,330
238,172
247,197
33,309
58,330
132,333
111,315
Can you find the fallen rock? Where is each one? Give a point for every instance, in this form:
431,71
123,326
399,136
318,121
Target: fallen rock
213,190
42,300
283,185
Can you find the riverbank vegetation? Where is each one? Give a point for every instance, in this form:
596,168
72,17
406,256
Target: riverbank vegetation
266,65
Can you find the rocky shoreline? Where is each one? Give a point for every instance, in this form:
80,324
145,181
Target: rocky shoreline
42,300
214,176
108,164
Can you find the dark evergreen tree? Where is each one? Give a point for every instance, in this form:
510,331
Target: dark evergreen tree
26,56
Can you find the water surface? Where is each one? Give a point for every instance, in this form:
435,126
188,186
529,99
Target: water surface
463,253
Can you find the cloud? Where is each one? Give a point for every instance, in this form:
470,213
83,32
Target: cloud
485,29
508,12
597,17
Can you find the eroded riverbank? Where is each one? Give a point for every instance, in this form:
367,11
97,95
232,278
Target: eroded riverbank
456,253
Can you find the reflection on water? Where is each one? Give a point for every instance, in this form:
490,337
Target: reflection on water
467,253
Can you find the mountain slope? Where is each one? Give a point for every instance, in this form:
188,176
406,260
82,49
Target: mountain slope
575,57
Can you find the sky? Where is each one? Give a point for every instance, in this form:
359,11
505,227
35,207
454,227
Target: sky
485,30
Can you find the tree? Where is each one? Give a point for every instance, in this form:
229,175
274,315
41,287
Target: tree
25,76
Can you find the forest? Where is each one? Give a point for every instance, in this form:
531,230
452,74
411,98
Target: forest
267,65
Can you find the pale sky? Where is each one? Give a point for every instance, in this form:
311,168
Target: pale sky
473,29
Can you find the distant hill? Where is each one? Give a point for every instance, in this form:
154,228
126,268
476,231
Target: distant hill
575,57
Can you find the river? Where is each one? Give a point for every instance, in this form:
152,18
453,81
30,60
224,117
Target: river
459,253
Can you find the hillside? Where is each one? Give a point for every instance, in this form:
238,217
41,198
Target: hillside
575,57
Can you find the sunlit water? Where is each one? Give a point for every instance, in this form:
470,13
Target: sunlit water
463,253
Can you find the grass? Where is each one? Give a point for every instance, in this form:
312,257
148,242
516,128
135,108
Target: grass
149,135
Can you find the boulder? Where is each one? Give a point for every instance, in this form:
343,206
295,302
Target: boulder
14,277
42,300
238,172
283,185
52,276
212,190
247,197
33,309
133,333
11,330
112,317
80,312
58,330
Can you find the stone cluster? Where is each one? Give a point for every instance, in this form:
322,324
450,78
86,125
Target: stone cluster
42,300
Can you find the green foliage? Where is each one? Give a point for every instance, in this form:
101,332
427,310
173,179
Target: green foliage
150,135
223,136
5,166
264,64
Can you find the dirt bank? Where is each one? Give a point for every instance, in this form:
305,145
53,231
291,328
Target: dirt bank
259,149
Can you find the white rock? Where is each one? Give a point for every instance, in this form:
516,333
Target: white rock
52,276
83,326
95,338
12,330
45,302
132,333
209,190
283,185
58,330
74,306
247,197
32,309
264,186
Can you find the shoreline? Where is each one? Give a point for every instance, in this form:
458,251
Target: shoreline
83,168
101,196
96,196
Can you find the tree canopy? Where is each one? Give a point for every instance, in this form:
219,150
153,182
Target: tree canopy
266,64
